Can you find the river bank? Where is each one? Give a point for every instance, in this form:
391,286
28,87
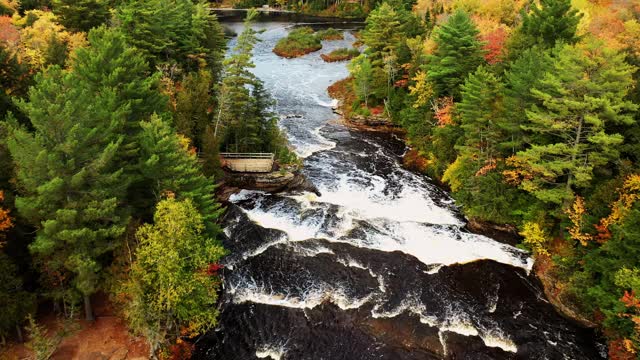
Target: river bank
413,161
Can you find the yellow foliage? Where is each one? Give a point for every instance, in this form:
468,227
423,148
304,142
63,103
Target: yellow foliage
422,90
576,214
451,175
630,37
535,238
36,39
5,220
629,193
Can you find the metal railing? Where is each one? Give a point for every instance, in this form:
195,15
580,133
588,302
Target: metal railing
247,155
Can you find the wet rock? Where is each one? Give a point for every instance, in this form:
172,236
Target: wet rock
273,182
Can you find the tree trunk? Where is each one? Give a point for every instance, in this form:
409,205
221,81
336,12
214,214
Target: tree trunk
19,333
573,158
88,310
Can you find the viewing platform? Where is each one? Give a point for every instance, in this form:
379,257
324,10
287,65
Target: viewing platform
248,162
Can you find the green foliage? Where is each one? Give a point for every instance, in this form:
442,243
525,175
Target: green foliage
330,34
72,182
172,284
340,54
42,345
81,15
173,30
298,42
580,94
552,22
15,301
169,166
192,106
458,53
14,81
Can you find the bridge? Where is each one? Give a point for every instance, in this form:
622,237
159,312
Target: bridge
275,14
248,162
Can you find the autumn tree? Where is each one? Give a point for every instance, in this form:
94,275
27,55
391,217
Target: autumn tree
173,281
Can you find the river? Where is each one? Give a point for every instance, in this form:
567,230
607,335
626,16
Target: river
378,267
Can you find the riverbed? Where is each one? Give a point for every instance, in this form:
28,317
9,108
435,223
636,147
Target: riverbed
379,266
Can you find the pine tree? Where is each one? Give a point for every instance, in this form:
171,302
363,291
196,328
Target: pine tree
459,52
582,95
81,15
480,110
72,186
173,30
552,22
168,165
14,81
235,100
192,106
522,75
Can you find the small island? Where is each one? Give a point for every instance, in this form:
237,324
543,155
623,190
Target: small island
304,40
300,42
341,54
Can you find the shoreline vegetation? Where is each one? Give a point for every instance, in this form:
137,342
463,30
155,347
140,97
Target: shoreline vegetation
304,40
518,123
342,54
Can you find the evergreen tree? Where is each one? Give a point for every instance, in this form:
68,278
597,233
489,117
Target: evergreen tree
168,165
81,15
459,52
173,30
72,185
552,22
522,75
14,81
15,302
581,95
235,100
192,106
480,112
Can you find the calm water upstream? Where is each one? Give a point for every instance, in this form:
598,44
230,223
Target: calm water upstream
378,267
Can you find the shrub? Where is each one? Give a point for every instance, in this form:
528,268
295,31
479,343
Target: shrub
300,42
341,54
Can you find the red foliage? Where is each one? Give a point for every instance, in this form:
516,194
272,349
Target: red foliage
377,110
494,43
181,350
620,350
213,269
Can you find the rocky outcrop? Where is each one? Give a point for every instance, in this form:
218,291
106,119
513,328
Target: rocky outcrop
273,182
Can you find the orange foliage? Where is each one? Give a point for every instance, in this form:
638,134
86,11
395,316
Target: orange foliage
629,193
490,164
576,213
519,171
494,43
8,32
5,220
619,350
630,300
443,111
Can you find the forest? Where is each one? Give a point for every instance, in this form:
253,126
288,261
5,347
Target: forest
528,112
113,114
109,140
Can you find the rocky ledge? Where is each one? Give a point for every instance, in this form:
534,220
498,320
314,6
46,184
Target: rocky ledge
290,180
